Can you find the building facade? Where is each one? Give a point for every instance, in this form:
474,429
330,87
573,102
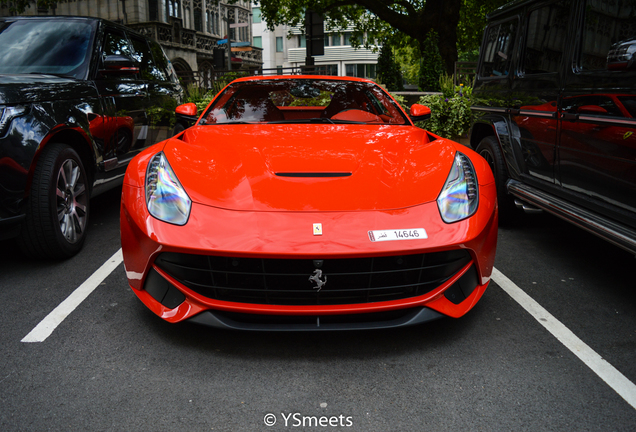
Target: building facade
188,30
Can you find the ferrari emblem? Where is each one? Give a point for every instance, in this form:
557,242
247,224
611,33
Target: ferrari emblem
317,229
316,278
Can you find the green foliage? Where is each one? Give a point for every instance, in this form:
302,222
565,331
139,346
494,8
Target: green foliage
431,65
472,21
388,70
446,85
163,115
451,117
408,59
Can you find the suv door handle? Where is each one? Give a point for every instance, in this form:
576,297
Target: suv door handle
570,117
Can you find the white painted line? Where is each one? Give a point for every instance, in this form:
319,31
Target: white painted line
608,373
55,318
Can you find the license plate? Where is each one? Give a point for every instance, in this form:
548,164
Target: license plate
398,234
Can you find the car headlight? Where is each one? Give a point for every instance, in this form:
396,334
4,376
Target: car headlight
165,197
460,196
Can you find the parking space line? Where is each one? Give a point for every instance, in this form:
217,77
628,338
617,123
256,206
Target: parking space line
608,373
44,329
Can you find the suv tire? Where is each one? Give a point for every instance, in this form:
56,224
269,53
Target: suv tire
489,149
58,207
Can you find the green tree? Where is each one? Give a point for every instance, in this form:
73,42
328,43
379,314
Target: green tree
431,65
388,70
391,21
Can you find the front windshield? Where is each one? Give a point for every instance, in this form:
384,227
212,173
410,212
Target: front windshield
52,46
304,100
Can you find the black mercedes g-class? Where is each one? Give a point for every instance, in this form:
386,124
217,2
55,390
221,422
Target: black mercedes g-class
555,107
77,100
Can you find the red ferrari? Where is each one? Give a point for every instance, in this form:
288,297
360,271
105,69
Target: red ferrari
308,203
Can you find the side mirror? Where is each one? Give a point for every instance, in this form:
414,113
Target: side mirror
187,113
119,64
188,109
419,112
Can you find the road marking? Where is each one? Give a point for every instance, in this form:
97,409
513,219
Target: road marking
44,329
608,373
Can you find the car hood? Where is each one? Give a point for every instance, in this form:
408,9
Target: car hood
20,89
310,167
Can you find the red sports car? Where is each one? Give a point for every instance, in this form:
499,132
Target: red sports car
308,203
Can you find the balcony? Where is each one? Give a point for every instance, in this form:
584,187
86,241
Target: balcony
176,37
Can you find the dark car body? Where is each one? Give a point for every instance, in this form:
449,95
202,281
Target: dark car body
555,105
77,99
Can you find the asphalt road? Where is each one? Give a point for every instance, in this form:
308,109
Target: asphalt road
111,365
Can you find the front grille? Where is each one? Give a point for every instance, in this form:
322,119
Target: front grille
287,281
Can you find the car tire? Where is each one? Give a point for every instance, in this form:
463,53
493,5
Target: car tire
58,206
489,149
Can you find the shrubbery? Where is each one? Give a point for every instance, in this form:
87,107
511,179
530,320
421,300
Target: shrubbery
451,115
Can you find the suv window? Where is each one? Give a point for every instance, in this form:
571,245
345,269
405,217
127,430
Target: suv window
498,48
149,70
54,47
607,22
547,30
116,43
164,67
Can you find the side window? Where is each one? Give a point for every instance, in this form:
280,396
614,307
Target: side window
149,70
545,38
498,49
116,43
163,68
607,31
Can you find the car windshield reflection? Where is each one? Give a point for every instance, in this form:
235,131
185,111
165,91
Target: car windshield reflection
58,48
303,100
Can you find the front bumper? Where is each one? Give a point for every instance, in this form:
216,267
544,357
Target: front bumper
288,236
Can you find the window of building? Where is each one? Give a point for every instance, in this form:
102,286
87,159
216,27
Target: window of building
347,38
153,10
327,40
547,28
302,41
335,40
174,8
361,70
198,18
279,44
257,41
328,69
256,15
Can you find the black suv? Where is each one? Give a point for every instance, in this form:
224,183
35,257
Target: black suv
556,111
79,97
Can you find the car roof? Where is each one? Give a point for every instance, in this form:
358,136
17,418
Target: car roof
52,18
101,21
508,7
